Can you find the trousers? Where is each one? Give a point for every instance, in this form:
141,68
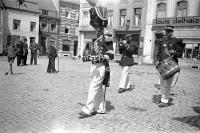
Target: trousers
165,88
95,100
124,81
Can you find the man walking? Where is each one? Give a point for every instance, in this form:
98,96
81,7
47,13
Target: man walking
52,54
33,48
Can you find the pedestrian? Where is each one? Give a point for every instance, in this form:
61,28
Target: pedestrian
25,51
52,54
19,52
100,72
171,47
34,48
126,48
11,54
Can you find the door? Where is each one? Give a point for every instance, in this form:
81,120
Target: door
43,45
75,47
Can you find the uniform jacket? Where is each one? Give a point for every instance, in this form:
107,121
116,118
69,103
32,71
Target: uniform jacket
52,52
33,48
170,43
25,48
127,53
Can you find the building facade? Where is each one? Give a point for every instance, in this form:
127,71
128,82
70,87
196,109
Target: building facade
124,17
2,9
20,19
49,24
184,15
69,28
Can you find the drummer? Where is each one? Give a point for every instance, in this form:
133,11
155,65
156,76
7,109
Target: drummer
171,47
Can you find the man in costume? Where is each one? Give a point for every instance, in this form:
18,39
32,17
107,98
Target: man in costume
171,47
101,53
126,48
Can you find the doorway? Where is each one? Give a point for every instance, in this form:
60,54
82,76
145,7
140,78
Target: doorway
75,47
43,45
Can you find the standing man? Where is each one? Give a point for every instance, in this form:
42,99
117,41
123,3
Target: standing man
52,54
25,51
33,48
170,47
19,52
101,53
126,47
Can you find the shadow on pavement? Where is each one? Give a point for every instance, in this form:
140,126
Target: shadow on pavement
136,109
191,120
109,106
17,73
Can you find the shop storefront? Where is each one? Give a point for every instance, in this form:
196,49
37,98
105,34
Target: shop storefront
187,29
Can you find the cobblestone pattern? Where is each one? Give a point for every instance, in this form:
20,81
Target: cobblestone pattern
33,101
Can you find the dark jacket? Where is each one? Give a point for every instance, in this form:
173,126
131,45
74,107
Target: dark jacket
170,43
24,48
19,49
34,47
52,52
127,51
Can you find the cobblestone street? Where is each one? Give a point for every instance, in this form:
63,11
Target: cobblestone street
33,101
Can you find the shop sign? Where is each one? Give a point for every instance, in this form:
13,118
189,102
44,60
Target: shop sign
177,21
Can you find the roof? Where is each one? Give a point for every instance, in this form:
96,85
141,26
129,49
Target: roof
27,6
71,1
45,4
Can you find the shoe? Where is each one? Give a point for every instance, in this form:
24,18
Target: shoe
100,112
120,90
132,87
84,115
157,86
6,73
161,105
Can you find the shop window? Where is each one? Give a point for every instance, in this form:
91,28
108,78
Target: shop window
137,16
182,9
110,17
86,19
123,17
32,26
66,47
161,10
16,24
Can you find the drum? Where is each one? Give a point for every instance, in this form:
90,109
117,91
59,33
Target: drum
168,67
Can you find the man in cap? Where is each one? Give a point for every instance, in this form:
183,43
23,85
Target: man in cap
34,48
52,54
170,47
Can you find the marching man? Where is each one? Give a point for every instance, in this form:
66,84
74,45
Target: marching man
101,53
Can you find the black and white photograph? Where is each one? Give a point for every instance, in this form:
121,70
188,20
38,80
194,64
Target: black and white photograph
100,66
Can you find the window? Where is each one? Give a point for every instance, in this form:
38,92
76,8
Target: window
44,24
77,16
85,18
67,14
76,30
66,45
110,18
137,16
122,17
161,10
67,27
182,9
44,12
32,26
16,24
53,26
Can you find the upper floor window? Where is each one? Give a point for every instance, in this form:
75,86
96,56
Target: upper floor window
44,12
182,8
67,28
137,16
85,18
161,10
122,17
16,24
53,26
32,26
44,24
67,14
110,17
